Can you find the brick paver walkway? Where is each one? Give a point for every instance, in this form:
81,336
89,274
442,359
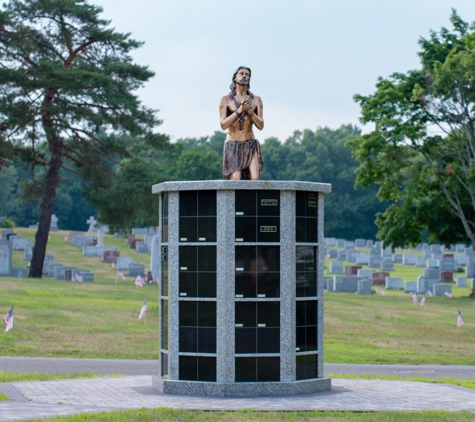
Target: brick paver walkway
47,398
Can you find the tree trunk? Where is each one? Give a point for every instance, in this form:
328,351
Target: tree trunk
49,194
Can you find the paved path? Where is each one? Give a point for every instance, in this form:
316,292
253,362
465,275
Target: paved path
47,398
150,367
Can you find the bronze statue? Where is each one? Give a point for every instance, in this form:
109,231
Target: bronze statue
238,112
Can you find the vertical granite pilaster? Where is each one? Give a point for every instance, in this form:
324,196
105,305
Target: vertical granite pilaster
225,371
321,263
173,284
287,286
159,251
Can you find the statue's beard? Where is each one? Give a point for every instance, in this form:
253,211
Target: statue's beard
242,82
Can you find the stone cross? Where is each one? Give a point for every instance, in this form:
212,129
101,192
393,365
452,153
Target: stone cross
100,236
92,224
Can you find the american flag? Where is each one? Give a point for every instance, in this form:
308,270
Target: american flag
429,293
139,281
8,320
112,265
143,311
157,279
414,298
78,277
377,289
460,320
423,301
121,274
447,294
383,292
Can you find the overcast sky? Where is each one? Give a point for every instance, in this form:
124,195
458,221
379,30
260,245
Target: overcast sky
308,57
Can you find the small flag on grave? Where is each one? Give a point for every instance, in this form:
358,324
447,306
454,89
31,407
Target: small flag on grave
460,320
447,294
414,298
383,292
121,275
139,281
8,320
143,311
429,293
79,278
423,301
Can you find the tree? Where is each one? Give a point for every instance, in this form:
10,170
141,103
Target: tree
67,80
322,156
422,150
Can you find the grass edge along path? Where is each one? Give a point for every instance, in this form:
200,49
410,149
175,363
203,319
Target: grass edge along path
169,415
467,383
38,376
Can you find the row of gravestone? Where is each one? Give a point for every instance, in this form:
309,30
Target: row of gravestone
363,285
58,271
53,227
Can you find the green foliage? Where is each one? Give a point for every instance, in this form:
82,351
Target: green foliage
8,224
322,156
422,151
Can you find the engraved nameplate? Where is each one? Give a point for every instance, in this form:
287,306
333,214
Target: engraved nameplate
239,268
268,229
312,204
238,325
261,325
183,268
239,239
239,296
183,239
269,202
261,295
183,294
239,213
202,239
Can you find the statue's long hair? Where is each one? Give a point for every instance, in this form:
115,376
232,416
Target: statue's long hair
232,87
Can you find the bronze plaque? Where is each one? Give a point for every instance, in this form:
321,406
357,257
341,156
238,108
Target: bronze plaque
268,229
269,202
312,204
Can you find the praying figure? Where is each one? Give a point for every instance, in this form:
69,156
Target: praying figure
239,111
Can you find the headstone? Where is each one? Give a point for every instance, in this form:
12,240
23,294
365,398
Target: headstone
378,245
72,235
340,243
130,239
141,247
362,258
421,285
5,257
92,225
133,243
410,287
436,248
352,270
351,255
140,232
51,267
28,253
33,226
54,224
364,287
100,236
327,282
332,253
470,268
155,257
136,269
446,277
360,243
461,281
330,241
345,284
123,263
374,261
394,283
19,272
436,255
432,273
452,248
420,262
397,258
387,266
387,254
110,256
432,263
5,233
89,251
369,244
469,251
447,265
461,259
341,256
364,273
425,247
336,267
441,289
409,259
379,278
427,254
460,248
20,244
447,256
349,244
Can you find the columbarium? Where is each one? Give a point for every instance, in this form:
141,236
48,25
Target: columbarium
241,291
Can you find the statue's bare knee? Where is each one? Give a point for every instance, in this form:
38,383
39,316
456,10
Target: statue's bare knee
254,168
235,176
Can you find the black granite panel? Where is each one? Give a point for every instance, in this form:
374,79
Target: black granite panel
246,258
207,284
164,362
246,284
268,229
188,204
188,314
268,258
268,313
300,313
300,339
300,367
311,230
188,229
206,229
188,368
206,368
165,204
246,314
268,202
268,340
268,369
207,203
165,311
188,339
188,284
312,204
245,340
306,367
165,337
300,204
206,258
246,202
188,258
246,369
310,338
246,229
206,314
310,312
206,340
165,230
300,229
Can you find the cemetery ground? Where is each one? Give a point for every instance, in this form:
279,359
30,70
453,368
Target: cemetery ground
100,319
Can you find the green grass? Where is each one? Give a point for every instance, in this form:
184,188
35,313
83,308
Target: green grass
3,397
37,376
468,383
169,415
100,319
